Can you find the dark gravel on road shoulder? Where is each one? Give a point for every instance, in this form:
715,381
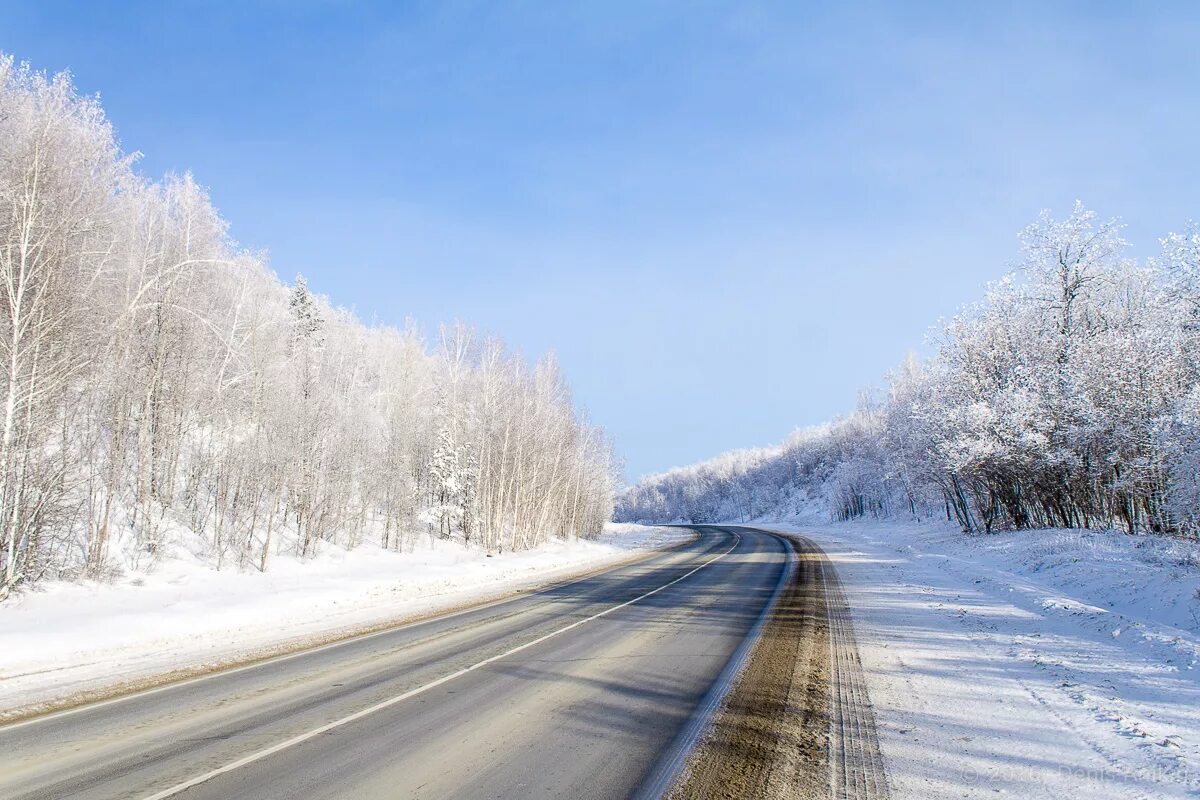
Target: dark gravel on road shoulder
797,722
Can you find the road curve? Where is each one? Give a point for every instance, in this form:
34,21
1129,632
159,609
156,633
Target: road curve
586,690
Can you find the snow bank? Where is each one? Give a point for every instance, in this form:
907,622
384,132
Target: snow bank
1037,664
67,639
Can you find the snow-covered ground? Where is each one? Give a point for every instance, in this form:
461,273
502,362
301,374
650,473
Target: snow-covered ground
67,639
1036,664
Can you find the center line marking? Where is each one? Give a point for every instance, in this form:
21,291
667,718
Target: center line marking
391,701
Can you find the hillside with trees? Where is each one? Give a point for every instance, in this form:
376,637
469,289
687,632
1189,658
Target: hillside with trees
163,389
1069,397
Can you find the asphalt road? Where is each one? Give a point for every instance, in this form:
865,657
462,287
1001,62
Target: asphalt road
584,690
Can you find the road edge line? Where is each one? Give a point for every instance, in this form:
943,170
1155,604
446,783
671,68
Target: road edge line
666,770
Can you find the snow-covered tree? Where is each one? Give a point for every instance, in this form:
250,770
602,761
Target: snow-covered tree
161,389
1065,398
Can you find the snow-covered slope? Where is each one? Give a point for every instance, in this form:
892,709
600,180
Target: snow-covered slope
1033,664
65,638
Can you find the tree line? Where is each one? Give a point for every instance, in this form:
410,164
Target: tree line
161,388
1069,396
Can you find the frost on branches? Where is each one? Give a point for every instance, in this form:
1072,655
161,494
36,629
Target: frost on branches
163,390
1069,397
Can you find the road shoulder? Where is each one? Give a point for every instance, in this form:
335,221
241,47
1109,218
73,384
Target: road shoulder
796,723
993,675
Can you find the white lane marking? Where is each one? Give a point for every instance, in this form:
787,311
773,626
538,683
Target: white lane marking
5,727
304,737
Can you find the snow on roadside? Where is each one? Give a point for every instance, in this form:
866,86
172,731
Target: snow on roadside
1035,664
66,639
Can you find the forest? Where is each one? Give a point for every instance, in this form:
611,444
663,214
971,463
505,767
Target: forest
1068,397
163,389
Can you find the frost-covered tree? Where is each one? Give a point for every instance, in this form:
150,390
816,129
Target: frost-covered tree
161,389
308,325
1066,397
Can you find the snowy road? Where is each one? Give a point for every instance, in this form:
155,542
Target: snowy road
581,690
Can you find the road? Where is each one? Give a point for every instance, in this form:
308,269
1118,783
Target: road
591,689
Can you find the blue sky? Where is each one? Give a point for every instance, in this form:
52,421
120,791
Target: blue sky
725,218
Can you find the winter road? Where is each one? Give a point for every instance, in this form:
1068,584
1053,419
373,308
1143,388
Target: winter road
589,689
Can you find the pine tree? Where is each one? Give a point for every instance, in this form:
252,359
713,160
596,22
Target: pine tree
443,477
308,324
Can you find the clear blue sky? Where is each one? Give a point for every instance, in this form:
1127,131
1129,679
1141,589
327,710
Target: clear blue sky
724,217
